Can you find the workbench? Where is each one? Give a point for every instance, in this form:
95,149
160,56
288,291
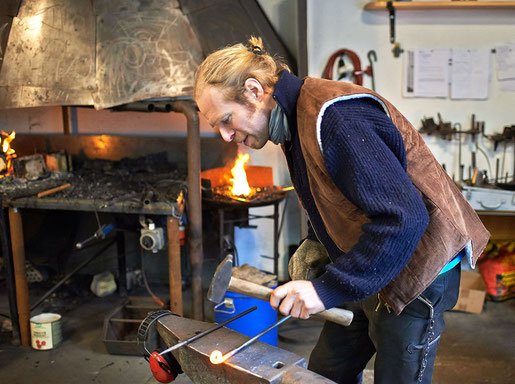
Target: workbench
117,147
14,249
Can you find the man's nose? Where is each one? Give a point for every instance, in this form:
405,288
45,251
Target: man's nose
227,134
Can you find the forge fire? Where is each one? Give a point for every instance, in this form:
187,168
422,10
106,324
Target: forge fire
8,153
241,184
148,182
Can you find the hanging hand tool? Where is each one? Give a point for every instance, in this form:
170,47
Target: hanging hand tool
353,72
223,281
372,56
396,49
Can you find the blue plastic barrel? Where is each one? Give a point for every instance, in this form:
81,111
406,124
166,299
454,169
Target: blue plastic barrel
252,323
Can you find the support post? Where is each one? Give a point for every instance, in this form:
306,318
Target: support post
20,276
11,282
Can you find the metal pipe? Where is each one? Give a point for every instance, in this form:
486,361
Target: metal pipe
134,107
162,107
189,109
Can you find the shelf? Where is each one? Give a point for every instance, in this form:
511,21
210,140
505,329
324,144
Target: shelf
416,5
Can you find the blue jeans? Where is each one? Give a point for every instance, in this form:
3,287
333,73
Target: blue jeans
405,345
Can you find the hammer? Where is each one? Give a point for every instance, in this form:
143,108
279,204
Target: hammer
223,281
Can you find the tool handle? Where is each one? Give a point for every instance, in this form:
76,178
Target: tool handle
336,315
51,191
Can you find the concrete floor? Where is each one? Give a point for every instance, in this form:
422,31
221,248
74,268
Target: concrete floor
475,348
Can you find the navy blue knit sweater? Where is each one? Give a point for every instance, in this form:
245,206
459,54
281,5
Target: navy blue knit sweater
365,155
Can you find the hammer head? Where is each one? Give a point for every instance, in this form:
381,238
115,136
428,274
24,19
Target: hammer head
220,281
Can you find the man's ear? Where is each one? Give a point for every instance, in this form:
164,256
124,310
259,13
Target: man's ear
254,88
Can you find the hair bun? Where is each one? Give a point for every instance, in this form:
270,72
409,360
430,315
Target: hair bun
256,49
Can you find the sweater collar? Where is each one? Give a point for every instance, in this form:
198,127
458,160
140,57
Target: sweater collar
286,92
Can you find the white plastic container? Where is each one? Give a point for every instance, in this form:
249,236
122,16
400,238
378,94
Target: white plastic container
489,199
45,331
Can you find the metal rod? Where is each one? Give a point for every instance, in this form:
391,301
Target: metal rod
75,270
207,331
250,341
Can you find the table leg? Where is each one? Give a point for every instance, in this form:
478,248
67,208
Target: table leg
20,276
11,284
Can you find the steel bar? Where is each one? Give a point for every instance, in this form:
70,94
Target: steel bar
231,353
207,331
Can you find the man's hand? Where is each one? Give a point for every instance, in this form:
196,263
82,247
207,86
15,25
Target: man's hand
297,298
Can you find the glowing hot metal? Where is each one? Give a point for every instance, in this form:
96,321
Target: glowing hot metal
216,356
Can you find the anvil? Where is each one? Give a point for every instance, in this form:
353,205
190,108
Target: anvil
258,363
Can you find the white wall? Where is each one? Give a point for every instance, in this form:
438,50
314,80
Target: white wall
335,24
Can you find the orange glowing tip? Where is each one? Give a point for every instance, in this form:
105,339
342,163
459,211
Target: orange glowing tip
216,357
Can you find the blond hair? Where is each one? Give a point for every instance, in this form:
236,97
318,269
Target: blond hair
228,68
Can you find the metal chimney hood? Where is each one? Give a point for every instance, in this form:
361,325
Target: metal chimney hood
102,53
107,53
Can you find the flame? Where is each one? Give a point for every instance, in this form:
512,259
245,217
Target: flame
216,357
8,151
240,185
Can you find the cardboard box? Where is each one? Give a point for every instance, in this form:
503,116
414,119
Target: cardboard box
472,293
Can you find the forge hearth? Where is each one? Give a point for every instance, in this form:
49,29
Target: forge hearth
148,184
259,196
216,188
234,210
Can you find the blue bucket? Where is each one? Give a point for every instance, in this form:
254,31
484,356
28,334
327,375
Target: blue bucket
252,323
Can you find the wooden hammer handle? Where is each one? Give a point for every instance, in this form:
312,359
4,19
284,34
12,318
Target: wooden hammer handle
51,191
336,315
